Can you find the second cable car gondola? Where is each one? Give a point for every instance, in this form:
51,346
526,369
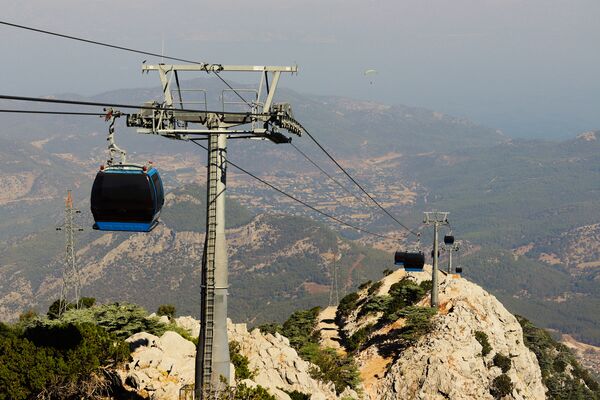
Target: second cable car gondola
449,240
127,198
411,261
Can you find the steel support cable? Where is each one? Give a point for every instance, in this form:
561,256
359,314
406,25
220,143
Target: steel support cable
358,184
329,176
216,73
52,112
99,104
334,218
231,88
113,46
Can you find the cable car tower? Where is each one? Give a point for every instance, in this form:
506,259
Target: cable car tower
70,292
450,246
435,218
255,117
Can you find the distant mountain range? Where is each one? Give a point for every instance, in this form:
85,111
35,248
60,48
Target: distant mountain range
526,210
277,263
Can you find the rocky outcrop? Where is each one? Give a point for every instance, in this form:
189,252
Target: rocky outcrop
162,365
277,365
447,363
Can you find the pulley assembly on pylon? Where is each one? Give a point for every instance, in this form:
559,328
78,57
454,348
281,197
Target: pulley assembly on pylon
125,197
413,260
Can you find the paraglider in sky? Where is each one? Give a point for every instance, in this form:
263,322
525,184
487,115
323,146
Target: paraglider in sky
370,74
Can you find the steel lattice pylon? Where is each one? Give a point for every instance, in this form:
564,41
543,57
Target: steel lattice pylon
70,292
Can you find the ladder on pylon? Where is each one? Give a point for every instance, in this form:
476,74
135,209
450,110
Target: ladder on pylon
208,303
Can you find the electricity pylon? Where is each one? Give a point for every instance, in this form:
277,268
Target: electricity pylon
260,118
70,291
436,219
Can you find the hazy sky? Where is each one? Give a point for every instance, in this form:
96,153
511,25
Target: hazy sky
528,67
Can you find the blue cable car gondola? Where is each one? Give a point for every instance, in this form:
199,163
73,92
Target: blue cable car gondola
459,270
127,198
411,262
449,239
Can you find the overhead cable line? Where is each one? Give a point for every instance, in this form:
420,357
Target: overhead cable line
329,176
358,184
129,49
327,215
114,46
108,104
323,213
52,112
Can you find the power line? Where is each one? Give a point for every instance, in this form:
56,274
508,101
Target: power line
328,175
334,218
358,184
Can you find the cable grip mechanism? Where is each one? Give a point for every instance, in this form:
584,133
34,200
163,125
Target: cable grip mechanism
112,115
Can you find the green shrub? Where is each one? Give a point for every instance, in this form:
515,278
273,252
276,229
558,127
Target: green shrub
403,294
374,288
87,302
240,362
501,386
426,285
299,327
387,272
243,392
553,359
296,395
61,360
271,327
418,322
503,362
364,285
54,309
359,337
166,309
333,367
347,305
375,304
482,338
28,316
123,320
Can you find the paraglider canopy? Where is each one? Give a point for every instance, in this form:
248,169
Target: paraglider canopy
370,73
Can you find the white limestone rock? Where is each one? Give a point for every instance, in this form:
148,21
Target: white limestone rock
447,363
190,324
277,365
